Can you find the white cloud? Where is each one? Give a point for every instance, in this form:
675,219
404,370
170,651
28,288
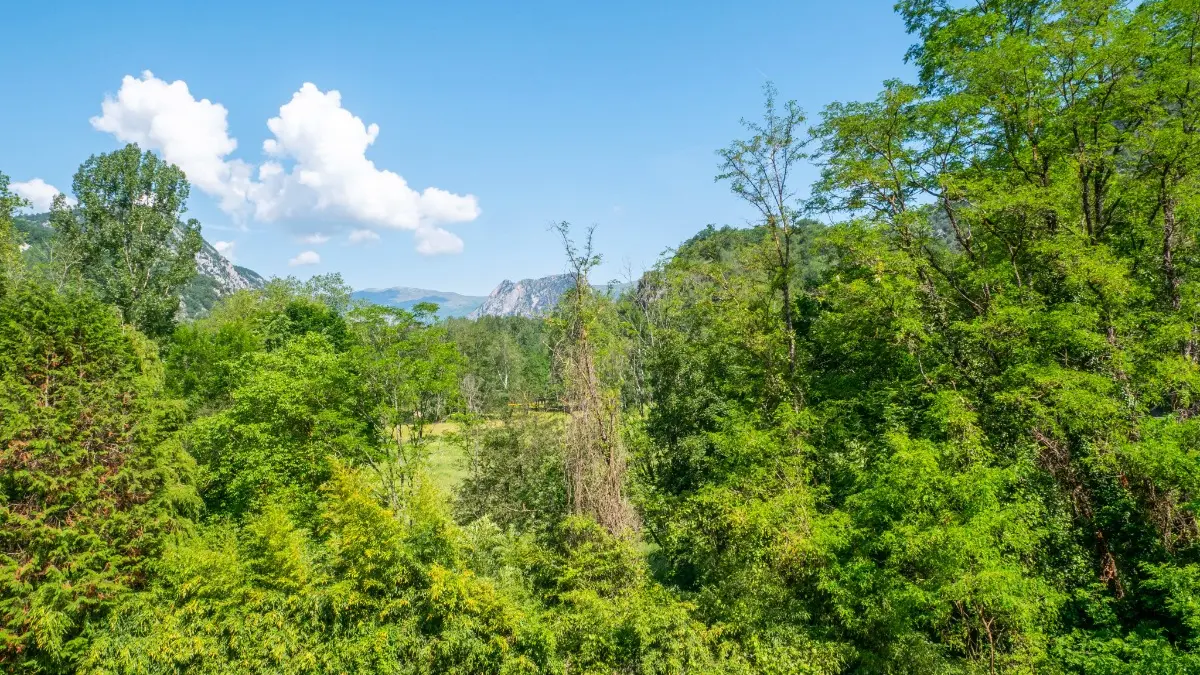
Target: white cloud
317,162
225,248
359,236
305,258
194,135
39,193
435,241
315,238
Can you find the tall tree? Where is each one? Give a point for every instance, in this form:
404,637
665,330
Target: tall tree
127,237
9,202
595,452
409,374
759,170
92,480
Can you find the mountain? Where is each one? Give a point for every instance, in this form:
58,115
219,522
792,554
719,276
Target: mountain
527,297
216,275
449,304
534,297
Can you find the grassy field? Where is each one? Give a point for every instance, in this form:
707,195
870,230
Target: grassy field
447,463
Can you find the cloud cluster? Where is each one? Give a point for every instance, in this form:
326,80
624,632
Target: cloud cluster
38,193
316,162
225,248
360,236
305,258
193,135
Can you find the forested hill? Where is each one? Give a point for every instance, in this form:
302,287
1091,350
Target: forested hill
216,276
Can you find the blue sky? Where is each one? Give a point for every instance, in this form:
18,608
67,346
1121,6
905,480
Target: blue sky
603,113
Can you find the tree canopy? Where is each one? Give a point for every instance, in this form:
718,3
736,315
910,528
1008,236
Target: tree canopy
938,412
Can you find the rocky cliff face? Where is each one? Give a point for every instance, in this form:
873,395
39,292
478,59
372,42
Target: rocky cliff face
527,297
229,277
215,278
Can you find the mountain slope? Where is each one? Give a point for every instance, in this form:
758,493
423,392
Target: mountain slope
215,276
449,304
527,297
534,297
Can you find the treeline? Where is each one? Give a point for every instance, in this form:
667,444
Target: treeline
936,413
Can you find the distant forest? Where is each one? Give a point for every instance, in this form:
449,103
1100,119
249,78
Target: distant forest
938,412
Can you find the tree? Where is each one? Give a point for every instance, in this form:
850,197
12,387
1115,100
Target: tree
759,171
92,478
293,412
514,474
9,251
595,452
409,375
126,237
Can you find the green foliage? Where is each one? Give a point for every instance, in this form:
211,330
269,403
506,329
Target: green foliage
205,355
92,479
126,237
9,241
409,375
291,412
957,430
515,475
363,595
507,362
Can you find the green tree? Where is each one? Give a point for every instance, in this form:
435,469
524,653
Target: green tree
293,411
409,375
759,170
92,478
126,236
9,253
515,474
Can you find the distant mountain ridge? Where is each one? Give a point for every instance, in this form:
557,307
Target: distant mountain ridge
527,297
535,297
449,304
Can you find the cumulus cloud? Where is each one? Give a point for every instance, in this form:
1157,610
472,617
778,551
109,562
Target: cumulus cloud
316,161
314,238
194,135
435,241
39,193
305,258
225,248
359,236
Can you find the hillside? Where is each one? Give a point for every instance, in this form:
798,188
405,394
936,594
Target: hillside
216,275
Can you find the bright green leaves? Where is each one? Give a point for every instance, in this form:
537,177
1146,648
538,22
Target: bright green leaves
92,481
293,410
9,253
126,236
408,372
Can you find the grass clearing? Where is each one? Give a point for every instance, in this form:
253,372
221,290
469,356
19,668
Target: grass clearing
446,460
